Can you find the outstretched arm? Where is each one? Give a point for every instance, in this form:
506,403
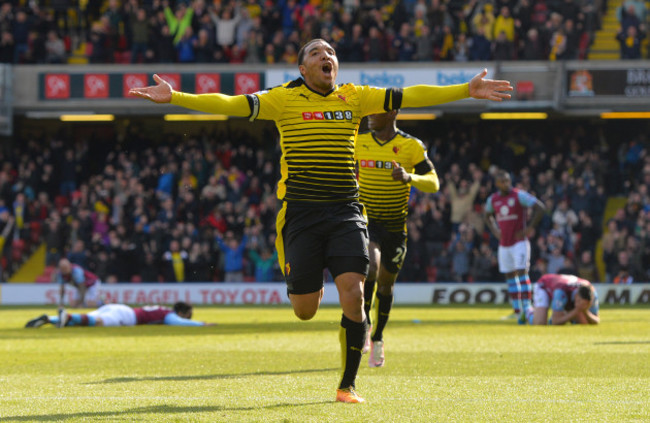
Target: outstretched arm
479,88
174,319
209,103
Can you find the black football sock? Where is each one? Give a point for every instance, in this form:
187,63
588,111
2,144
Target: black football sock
352,337
368,293
383,311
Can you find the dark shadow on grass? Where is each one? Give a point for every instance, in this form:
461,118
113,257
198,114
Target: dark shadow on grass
154,409
207,377
219,329
163,330
622,343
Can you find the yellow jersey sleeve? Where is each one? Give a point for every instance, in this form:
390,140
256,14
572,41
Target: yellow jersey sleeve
268,104
432,95
219,104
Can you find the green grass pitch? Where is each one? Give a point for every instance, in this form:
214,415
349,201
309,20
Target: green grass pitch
260,364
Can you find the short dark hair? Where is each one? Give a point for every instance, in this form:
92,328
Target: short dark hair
182,307
585,292
301,52
502,174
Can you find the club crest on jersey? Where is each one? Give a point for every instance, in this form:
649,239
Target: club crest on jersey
511,202
396,149
335,115
342,98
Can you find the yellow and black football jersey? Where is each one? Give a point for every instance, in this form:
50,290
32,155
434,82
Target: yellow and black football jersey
385,199
317,134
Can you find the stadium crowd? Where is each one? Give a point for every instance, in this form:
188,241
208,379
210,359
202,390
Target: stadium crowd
262,31
134,208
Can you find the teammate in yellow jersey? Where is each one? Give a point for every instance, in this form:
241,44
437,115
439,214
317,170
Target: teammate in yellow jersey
389,161
321,223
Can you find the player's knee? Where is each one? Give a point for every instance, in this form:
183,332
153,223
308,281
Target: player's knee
352,298
304,314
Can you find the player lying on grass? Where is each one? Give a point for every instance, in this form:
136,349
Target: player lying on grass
123,315
571,299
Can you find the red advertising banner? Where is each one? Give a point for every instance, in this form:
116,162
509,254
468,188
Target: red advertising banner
133,80
57,86
206,83
247,83
174,79
96,85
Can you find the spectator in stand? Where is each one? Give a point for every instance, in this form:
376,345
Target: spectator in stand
185,47
78,254
7,46
264,264
21,28
179,20
203,48
503,48
225,22
198,264
54,239
623,276
504,23
462,198
174,263
630,40
460,252
140,30
480,46
233,252
423,45
484,264
483,22
631,13
55,48
564,220
586,268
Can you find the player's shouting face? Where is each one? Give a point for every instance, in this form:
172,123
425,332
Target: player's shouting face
319,66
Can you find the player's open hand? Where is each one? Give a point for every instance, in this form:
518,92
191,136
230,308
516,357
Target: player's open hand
159,93
399,174
489,89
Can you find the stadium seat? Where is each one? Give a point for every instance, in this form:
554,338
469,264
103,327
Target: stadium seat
18,247
432,273
46,276
35,230
61,201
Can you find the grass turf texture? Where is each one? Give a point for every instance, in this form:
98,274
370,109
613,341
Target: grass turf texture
261,364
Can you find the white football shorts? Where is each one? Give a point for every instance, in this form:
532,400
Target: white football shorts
514,257
115,315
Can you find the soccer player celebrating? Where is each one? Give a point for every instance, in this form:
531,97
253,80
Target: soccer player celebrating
389,162
321,223
572,299
506,215
123,315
